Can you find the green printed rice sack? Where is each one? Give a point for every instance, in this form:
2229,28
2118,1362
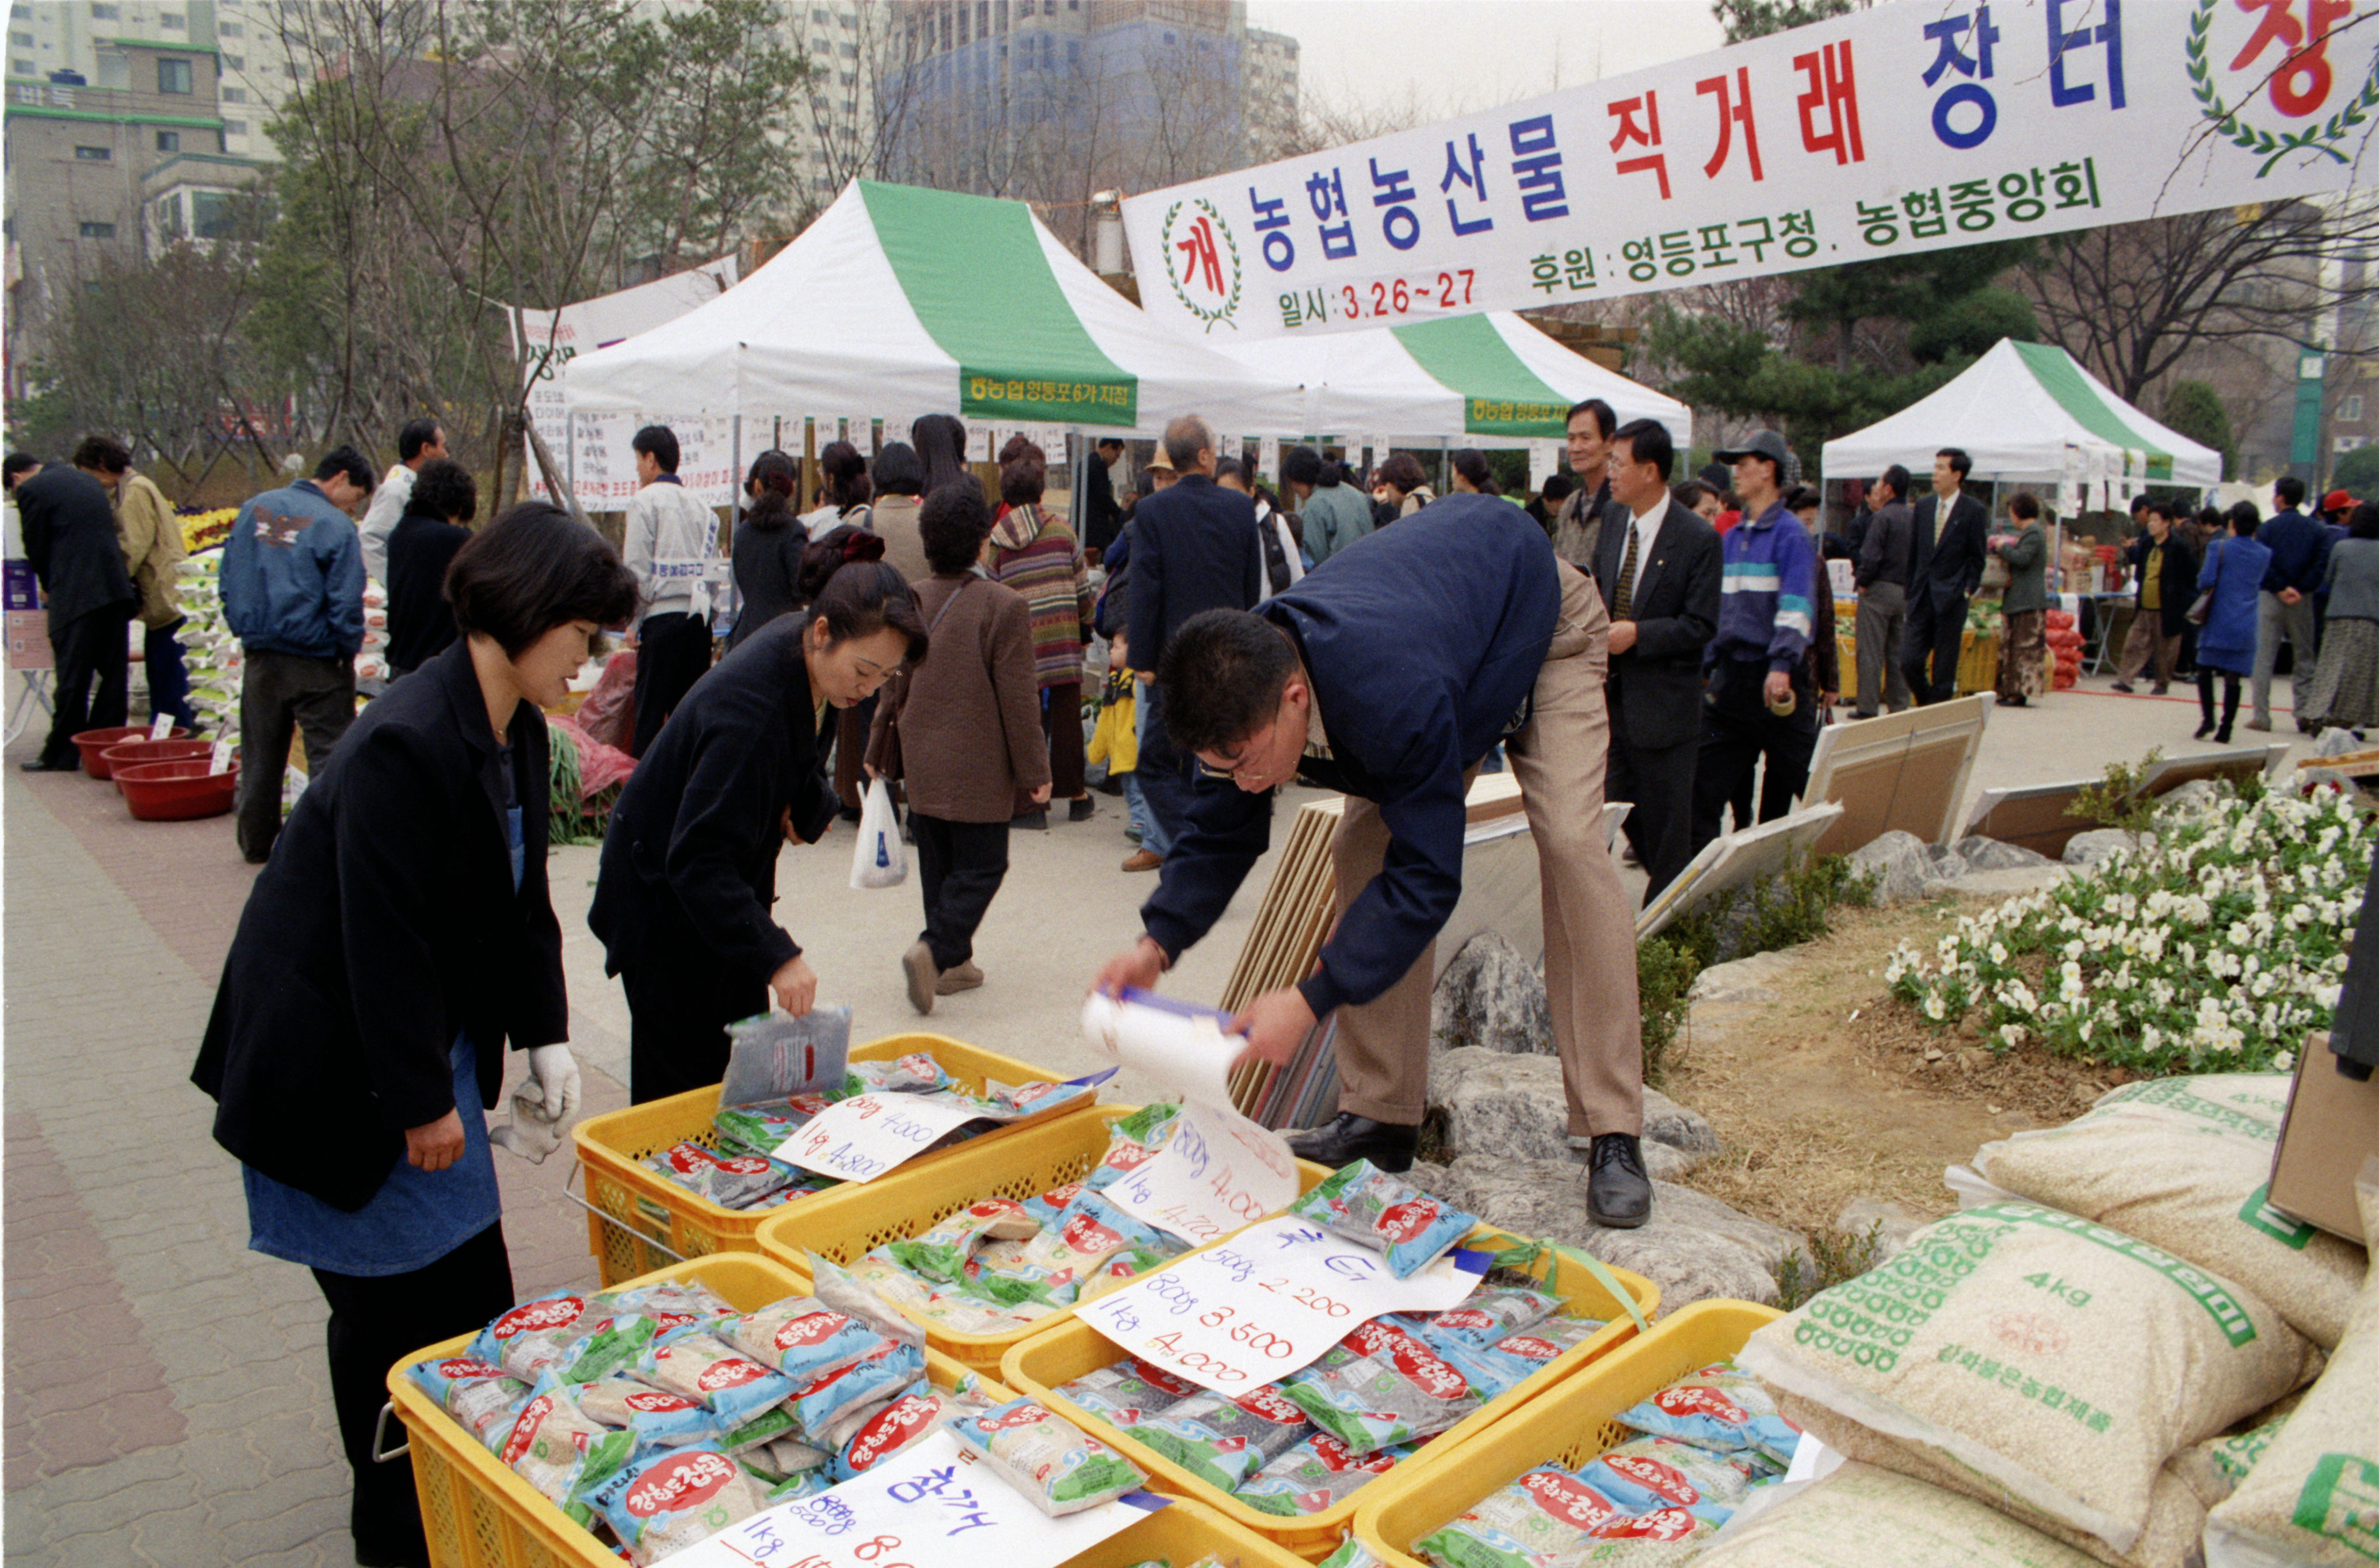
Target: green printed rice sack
2186,1164
1865,1517
2314,1496
2214,1467
1990,1343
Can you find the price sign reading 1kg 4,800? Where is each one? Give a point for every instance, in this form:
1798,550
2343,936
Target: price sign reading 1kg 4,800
1267,1302
861,1138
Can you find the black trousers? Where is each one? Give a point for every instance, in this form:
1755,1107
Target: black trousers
672,652
1737,731
678,1014
1928,649
376,1322
280,693
1658,782
1166,779
91,686
961,866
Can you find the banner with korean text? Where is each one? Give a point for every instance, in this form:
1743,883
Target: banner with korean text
1910,127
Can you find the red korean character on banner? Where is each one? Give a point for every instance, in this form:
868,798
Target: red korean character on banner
1832,89
1645,133
1733,109
2301,85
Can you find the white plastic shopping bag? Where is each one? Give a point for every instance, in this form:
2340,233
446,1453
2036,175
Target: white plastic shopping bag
880,860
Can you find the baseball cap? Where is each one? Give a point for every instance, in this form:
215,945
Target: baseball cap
2336,501
1763,444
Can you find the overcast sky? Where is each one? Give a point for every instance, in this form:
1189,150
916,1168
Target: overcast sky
1451,56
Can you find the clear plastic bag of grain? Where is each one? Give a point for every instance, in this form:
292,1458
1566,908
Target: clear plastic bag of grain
1865,1517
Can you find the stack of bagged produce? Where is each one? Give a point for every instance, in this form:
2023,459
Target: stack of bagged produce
743,1172
2108,1343
659,1415
210,653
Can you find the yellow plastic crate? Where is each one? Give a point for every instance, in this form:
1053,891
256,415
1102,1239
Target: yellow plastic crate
479,1514
845,1223
1182,1533
1979,662
638,1220
1567,1424
1070,1349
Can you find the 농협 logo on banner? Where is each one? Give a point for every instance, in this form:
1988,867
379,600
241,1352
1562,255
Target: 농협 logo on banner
1205,271
2262,72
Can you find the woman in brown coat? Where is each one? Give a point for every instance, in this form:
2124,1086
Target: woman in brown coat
966,723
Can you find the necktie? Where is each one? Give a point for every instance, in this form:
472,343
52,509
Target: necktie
1622,599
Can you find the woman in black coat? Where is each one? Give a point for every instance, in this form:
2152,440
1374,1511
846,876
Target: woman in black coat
689,866
420,548
399,937
767,553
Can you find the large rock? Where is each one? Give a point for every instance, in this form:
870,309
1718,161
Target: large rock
1890,1224
1742,980
1990,854
1491,996
1906,867
1694,1247
2098,844
1492,1105
2015,882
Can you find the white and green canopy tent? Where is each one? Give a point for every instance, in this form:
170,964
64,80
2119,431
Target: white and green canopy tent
900,301
2027,412
1486,379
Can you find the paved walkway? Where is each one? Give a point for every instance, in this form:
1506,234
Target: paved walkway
165,1399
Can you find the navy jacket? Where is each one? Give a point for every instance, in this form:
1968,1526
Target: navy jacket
293,575
1194,547
386,924
689,866
70,539
2300,550
1423,642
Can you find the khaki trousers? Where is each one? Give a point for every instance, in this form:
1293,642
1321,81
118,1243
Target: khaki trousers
1559,759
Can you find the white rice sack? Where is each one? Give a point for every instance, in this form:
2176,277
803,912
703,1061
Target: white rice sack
2056,1359
2170,1537
2262,1096
1864,1517
2214,1468
2186,1164
2313,1498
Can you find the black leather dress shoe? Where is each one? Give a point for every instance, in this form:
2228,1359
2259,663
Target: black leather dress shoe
40,765
1618,1193
1347,1138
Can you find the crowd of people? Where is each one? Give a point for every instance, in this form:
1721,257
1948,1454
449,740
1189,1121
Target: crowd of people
1197,643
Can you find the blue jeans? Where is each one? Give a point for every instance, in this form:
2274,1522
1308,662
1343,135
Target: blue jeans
169,679
1153,835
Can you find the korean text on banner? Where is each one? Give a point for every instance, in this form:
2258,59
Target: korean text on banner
1879,133
934,1506
1268,1302
861,1138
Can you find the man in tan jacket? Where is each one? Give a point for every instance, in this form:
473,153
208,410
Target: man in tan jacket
153,548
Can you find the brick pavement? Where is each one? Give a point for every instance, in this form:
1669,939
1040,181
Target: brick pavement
166,1397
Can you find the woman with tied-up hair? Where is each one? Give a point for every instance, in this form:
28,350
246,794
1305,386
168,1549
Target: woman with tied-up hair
399,938
768,544
689,867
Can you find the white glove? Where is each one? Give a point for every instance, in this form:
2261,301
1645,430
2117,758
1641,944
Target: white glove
553,1072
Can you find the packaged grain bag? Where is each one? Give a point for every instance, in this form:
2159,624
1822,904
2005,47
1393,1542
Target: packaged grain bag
1223,1439
532,1336
482,1397
1319,1473
1645,1475
2058,1358
942,1252
1128,1393
1719,1408
1352,1554
1058,1468
1133,1141
731,1181
2186,1164
1381,1385
704,1367
655,1416
557,1449
2214,1468
800,1337
1499,1368
2313,1498
911,1419
1865,1517
1490,1315
1395,1218
671,1498
1546,1519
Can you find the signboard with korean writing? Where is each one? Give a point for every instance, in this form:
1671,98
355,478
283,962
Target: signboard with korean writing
1887,131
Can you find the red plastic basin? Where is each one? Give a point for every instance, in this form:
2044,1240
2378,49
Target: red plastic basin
176,791
93,744
133,752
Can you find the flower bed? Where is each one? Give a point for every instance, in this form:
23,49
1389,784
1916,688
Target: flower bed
2218,943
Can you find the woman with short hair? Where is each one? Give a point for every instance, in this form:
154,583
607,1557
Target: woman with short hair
399,938
1405,485
420,548
899,482
2226,639
2346,683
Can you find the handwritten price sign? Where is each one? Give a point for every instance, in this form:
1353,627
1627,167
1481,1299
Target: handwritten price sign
1217,1172
1267,1302
861,1138
936,1505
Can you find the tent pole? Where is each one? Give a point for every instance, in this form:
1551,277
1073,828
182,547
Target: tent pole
1077,491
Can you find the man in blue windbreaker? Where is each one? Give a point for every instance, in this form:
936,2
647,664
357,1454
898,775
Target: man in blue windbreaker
1389,672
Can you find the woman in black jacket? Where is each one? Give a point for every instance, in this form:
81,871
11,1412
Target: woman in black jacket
399,937
420,548
769,541
689,867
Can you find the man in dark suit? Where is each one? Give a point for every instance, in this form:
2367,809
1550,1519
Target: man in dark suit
1944,567
1657,567
70,537
1195,546
1104,519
